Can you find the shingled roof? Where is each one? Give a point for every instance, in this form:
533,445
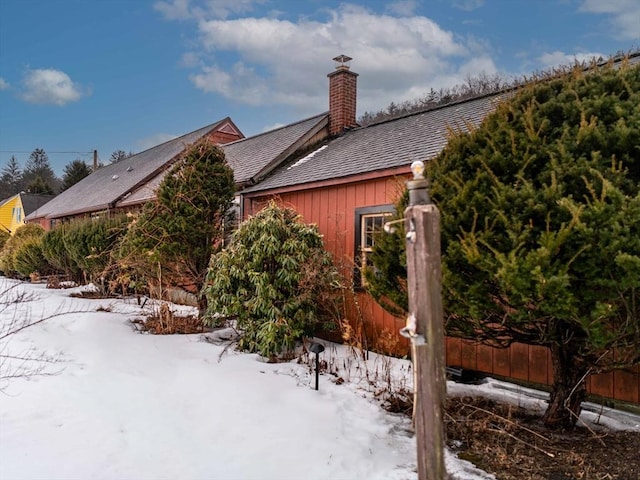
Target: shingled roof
393,143
104,187
382,146
250,158
32,201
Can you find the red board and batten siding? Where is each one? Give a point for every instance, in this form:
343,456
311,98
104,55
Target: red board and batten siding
532,363
332,207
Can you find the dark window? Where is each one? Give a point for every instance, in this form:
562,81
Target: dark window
368,221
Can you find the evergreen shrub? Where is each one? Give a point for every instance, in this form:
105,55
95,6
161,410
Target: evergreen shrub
56,253
276,279
90,243
22,235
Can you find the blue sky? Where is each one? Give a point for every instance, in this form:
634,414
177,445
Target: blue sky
79,75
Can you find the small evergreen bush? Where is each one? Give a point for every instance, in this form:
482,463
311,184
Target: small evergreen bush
56,253
29,258
89,244
23,234
4,236
275,279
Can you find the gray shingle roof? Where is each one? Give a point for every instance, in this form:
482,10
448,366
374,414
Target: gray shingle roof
390,144
135,179
107,184
386,145
33,201
252,157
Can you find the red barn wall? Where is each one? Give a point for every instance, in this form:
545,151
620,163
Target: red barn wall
332,208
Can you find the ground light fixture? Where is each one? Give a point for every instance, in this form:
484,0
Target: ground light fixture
317,348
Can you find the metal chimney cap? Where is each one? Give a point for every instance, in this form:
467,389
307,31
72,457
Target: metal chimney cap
342,61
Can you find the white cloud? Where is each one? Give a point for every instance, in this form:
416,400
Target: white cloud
557,58
404,8
468,5
224,8
183,9
396,57
3,84
50,87
174,9
625,16
190,60
153,140
273,126
241,83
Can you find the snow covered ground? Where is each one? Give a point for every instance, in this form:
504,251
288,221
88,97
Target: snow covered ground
125,405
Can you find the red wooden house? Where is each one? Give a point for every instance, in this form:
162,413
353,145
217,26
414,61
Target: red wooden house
347,184
343,177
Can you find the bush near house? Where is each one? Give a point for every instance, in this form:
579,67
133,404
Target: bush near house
275,279
541,228
55,251
171,242
90,243
25,234
29,259
4,236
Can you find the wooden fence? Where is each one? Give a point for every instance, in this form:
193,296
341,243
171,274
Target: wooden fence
533,364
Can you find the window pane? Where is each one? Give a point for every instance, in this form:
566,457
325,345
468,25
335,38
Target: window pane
371,223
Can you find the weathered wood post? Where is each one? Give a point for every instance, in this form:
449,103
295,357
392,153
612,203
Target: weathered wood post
425,325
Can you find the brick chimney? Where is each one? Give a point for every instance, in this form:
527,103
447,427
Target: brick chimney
342,97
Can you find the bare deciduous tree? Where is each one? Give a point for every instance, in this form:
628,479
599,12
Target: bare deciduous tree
14,318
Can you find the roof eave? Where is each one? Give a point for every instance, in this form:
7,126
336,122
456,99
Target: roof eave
358,177
95,208
293,148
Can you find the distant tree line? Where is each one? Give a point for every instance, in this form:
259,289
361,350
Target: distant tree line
39,178
474,86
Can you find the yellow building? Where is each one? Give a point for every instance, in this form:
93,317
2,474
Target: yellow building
14,209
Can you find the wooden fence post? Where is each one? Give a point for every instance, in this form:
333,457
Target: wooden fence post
425,326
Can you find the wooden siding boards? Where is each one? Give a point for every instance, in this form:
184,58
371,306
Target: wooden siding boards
484,358
468,355
7,218
539,359
105,187
330,199
133,181
519,361
454,351
11,218
601,385
333,210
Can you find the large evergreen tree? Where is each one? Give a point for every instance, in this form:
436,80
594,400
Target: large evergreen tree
541,227
73,173
174,237
11,178
118,155
38,166
39,186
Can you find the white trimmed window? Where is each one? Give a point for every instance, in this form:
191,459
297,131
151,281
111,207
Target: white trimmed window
369,221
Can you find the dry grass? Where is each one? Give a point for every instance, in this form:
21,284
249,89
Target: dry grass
166,322
512,443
